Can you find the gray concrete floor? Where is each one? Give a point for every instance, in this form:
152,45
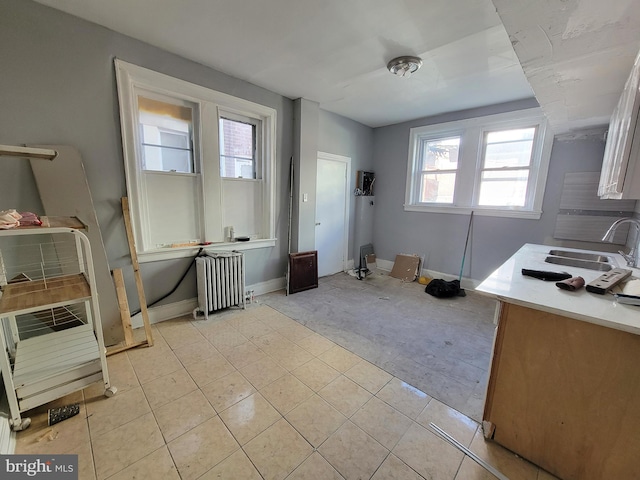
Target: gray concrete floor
440,346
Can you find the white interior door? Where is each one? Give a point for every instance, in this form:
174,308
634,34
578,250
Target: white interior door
332,198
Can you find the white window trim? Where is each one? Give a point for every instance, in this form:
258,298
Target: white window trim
129,78
472,132
187,252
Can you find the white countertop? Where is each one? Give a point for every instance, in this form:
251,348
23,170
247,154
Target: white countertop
507,283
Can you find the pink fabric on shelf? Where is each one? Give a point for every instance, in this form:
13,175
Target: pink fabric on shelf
9,219
29,219
12,219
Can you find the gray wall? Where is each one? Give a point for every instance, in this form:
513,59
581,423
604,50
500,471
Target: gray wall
305,156
341,136
57,86
317,130
441,237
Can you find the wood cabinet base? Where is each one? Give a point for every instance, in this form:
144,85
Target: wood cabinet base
565,394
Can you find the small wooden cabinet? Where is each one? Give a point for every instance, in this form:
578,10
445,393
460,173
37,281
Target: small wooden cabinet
565,394
303,271
50,329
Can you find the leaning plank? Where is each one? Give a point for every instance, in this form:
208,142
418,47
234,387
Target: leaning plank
126,318
118,349
121,293
64,192
136,270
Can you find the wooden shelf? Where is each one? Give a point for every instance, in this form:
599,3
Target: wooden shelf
39,294
67,222
51,222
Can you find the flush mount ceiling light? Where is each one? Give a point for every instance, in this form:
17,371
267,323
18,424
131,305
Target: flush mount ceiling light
404,66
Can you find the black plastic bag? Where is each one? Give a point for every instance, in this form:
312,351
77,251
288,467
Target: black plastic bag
443,289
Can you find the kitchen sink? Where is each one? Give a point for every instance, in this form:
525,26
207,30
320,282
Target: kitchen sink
594,257
602,266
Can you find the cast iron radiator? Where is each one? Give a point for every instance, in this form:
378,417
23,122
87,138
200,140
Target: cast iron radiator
220,278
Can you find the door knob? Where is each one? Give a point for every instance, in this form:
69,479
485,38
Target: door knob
317,224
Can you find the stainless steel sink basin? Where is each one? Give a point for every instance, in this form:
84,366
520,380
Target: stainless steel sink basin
594,257
579,263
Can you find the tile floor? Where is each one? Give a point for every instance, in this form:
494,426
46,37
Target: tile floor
253,394
439,345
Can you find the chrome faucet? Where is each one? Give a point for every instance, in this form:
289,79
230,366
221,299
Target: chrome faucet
632,257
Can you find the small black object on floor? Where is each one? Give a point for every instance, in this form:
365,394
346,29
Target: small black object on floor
444,289
57,415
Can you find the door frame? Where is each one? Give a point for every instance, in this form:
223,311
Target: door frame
347,197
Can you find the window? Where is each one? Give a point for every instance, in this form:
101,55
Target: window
197,162
506,165
166,132
439,164
238,153
495,165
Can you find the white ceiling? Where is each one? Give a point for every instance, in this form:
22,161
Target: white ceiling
576,54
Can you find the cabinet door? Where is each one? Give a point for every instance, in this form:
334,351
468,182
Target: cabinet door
303,271
564,394
611,170
619,156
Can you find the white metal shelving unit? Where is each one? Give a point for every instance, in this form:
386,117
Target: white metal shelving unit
50,320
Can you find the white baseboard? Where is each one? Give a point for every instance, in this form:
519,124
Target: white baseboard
166,312
269,286
383,264
467,283
186,307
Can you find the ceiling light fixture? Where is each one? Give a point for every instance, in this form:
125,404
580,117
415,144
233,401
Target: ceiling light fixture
404,66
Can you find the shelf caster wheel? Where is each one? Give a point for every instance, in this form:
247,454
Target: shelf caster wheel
21,425
110,392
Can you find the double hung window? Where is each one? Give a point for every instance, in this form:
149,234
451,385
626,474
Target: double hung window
197,162
494,165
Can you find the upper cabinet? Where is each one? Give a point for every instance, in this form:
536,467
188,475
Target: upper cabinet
620,176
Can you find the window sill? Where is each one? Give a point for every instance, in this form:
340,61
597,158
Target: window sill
185,252
477,211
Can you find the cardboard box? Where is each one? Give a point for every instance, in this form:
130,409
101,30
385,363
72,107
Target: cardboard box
405,267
